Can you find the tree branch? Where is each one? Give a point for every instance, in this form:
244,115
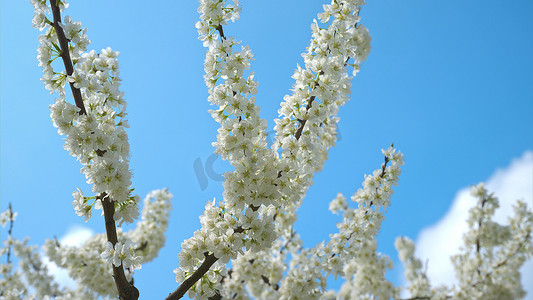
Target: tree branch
65,55
126,291
302,122
312,98
209,260
221,32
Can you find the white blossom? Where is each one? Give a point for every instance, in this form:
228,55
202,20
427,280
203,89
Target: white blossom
122,253
7,216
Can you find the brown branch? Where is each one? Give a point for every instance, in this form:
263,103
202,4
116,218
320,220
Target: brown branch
302,122
209,260
126,291
142,246
221,32
217,296
65,55
267,281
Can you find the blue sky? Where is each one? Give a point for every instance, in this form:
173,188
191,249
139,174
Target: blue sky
449,82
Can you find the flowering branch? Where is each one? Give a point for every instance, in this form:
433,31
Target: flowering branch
302,122
209,260
125,289
237,90
65,55
10,231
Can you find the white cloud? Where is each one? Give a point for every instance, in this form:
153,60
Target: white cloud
437,243
75,236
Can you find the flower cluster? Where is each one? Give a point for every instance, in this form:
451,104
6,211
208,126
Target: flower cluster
489,262
94,129
122,254
88,264
90,267
32,271
35,270
150,231
350,253
255,274
419,285
222,236
6,217
321,87
84,264
289,271
31,267
11,285
307,126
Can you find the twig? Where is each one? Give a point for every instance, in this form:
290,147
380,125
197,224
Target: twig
302,122
9,232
